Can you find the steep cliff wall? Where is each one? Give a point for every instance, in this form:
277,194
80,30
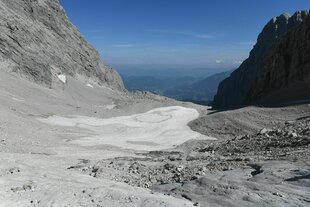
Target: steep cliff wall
232,91
285,70
38,40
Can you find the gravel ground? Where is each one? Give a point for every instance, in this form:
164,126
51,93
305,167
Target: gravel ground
261,157
181,171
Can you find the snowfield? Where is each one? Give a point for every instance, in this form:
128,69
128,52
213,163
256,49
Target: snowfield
158,129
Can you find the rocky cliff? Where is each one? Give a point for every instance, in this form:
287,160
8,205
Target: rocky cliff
38,41
232,91
284,74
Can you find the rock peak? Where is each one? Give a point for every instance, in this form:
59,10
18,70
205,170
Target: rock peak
232,91
299,16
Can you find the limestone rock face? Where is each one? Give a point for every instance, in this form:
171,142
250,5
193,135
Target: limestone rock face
37,40
232,91
285,70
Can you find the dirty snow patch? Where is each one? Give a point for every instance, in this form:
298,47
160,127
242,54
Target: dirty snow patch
107,107
158,129
62,78
110,107
17,99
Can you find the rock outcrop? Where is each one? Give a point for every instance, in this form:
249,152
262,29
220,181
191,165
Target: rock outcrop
37,40
284,74
232,91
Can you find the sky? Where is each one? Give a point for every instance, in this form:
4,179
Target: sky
175,33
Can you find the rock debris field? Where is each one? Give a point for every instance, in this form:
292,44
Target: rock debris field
70,147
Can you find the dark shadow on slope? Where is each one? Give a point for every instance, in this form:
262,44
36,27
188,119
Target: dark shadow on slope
297,178
296,94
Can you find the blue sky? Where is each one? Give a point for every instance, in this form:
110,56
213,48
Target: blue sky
175,33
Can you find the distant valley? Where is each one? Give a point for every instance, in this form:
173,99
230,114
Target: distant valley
184,88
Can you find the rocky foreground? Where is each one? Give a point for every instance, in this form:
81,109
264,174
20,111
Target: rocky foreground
260,157
268,168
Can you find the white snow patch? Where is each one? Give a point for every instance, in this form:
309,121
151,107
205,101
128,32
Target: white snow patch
90,85
160,128
62,78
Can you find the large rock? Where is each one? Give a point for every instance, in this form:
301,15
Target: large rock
233,90
284,76
37,40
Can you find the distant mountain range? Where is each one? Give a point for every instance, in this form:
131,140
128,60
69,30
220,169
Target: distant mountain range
199,91
184,88
164,71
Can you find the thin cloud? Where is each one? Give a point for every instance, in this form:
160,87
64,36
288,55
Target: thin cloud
98,30
248,43
204,36
124,45
165,31
218,61
238,62
96,37
175,32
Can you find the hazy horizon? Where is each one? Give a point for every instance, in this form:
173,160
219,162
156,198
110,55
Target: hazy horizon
167,70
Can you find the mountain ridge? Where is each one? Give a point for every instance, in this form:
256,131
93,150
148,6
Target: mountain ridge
201,90
184,88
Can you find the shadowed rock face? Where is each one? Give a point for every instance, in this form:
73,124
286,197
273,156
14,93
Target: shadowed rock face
285,70
233,90
37,40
